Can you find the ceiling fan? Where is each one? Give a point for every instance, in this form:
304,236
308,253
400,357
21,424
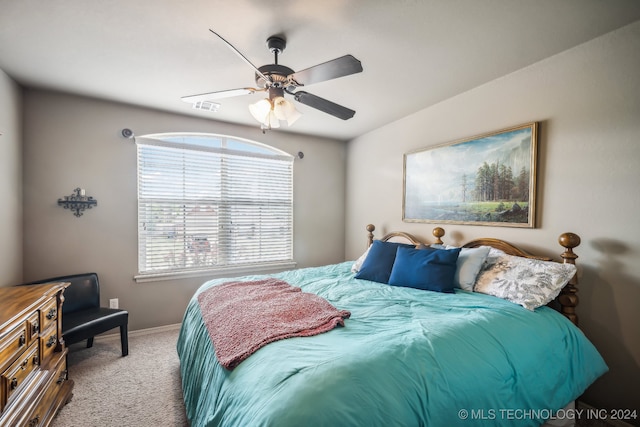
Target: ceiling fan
278,80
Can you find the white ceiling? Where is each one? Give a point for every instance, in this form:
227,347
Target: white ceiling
415,53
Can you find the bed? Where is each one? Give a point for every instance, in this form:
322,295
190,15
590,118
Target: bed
405,356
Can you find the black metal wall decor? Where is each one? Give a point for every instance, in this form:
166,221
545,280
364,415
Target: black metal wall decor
77,202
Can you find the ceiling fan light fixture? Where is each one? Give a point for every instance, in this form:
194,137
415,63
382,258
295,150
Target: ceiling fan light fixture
285,110
260,110
269,111
272,121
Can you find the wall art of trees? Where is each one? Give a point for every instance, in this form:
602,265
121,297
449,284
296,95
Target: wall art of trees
501,195
482,180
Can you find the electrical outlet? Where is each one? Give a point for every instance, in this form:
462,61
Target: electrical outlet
113,303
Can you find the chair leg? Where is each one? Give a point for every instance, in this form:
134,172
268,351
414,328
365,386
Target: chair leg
124,340
90,342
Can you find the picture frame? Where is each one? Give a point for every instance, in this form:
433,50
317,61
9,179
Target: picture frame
487,179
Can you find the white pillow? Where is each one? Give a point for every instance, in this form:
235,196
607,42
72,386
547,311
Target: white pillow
529,282
356,265
470,262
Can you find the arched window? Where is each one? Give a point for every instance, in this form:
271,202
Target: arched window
212,202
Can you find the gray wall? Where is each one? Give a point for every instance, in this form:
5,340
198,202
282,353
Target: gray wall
10,181
74,142
587,101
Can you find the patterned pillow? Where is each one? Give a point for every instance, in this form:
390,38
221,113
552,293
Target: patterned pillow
529,282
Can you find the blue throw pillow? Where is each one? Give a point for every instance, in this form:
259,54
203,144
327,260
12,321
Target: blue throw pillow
379,261
429,270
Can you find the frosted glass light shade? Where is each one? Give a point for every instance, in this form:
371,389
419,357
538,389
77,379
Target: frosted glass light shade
269,112
272,121
285,110
260,110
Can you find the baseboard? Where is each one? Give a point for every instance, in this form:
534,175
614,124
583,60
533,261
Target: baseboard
140,332
605,413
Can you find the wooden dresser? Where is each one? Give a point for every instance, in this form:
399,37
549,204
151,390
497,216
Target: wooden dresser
33,357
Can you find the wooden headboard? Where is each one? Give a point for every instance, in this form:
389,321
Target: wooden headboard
566,302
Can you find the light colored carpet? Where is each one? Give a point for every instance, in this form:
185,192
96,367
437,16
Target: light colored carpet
139,390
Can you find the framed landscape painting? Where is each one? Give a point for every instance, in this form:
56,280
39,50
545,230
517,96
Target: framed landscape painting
488,179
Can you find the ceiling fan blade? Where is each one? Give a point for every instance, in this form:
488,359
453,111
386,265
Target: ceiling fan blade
339,67
322,104
221,94
244,58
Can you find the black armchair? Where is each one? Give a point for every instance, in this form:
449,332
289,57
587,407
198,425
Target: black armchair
82,316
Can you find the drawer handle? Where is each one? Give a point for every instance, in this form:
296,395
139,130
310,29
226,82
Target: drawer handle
14,383
33,422
35,328
22,341
62,377
51,314
51,341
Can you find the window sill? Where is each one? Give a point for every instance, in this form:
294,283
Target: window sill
218,272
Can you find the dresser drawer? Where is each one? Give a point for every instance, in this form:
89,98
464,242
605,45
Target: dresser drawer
48,344
12,344
48,405
17,373
48,315
33,327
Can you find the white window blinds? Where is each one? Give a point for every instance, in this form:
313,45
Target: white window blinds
212,202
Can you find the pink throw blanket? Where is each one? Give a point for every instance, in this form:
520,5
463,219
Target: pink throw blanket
242,317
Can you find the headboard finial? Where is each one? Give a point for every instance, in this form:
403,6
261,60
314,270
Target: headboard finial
438,232
370,229
568,297
569,240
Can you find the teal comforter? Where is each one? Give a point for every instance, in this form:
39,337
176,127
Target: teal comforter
406,357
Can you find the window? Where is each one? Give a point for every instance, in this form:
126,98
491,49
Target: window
212,202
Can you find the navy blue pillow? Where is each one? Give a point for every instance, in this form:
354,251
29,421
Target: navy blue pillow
429,270
379,261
